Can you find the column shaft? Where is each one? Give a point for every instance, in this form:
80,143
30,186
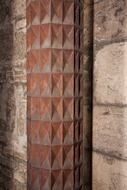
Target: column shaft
54,75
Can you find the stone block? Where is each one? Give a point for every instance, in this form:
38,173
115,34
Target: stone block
110,131
19,9
110,20
110,74
109,173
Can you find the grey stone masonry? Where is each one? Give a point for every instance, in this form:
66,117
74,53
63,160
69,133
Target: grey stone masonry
13,141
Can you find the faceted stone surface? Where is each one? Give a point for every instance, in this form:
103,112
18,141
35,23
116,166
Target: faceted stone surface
55,114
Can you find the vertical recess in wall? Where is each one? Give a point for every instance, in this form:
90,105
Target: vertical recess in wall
87,90
54,75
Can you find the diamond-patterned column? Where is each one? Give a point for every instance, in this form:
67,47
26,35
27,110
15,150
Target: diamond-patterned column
54,70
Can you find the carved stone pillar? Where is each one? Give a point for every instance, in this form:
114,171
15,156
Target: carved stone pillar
54,73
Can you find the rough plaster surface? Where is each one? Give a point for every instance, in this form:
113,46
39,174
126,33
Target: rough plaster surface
12,95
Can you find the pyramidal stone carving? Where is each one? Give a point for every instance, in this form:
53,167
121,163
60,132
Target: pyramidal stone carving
54,78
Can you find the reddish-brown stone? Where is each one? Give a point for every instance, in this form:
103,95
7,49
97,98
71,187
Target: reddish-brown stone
54,58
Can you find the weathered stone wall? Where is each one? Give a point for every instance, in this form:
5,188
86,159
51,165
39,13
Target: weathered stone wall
110,100
12,95
110,95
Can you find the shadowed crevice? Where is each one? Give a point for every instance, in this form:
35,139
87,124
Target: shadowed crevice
7,107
